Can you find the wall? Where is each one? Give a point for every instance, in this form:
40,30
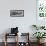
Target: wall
24,23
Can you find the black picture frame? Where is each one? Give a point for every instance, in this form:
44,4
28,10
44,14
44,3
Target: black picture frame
17,13
14,30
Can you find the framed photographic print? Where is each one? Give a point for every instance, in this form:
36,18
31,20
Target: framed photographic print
17,13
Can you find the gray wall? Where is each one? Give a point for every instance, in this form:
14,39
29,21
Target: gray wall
24,23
